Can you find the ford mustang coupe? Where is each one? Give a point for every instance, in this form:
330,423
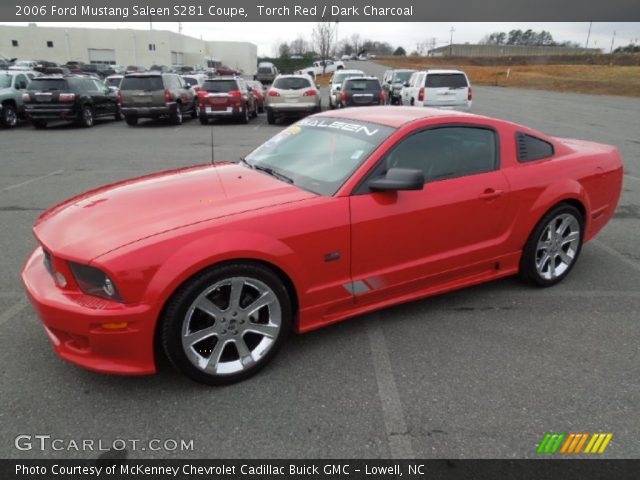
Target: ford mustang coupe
339,214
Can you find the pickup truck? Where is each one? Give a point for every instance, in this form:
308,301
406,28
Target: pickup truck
323,66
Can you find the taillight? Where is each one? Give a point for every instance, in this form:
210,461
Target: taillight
469,94
234,93
119,97
310,93
273,93
66,97
421,94
202,94
168,98
343,96
26,97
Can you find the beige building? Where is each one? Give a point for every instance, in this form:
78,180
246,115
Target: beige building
122,47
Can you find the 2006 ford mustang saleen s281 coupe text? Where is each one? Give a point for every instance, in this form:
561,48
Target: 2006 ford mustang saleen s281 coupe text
337,215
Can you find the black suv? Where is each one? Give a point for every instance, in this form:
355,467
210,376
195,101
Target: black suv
75,98
156,95
361,91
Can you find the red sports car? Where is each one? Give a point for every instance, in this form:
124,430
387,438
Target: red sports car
339,214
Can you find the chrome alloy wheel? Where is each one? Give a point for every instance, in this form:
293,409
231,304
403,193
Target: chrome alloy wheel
557,246
231,325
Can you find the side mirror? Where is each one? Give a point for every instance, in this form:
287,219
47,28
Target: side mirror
338,87
399,179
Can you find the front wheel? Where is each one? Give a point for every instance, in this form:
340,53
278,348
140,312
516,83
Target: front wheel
554,246
85,117
226,323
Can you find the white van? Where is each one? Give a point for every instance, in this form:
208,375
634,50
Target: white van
447,89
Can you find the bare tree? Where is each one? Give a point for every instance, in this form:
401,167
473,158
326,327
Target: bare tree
298,46
323,38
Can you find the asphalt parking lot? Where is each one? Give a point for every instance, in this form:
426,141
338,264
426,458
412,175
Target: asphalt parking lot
482,372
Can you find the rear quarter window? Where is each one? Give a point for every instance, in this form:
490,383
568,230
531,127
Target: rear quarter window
451,80
532,148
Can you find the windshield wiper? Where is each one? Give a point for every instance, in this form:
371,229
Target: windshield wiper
273,173
244,160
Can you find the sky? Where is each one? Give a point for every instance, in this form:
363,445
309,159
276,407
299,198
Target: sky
268,35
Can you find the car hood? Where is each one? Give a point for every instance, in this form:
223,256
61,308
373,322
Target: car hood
102,220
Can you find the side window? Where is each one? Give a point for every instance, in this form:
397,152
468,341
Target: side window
532,148
447,152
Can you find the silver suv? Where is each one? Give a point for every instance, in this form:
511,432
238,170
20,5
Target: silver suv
156,95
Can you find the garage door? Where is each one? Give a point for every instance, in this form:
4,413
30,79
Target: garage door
102,55
176,58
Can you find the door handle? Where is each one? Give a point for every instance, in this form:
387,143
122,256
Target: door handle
490,194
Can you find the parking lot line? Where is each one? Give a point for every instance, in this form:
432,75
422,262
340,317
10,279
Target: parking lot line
613,252
12,311
394,422
31,180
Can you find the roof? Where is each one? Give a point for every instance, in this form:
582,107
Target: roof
392,116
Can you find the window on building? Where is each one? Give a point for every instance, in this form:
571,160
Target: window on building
49,44
14,43
152,47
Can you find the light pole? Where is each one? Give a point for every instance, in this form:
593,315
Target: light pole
588,35
451,42
612,40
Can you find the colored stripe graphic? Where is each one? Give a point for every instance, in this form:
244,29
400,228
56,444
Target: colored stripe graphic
572,443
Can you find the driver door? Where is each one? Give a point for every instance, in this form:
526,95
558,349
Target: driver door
405,241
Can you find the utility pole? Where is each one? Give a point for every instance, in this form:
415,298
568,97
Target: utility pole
588,35
612,40
451,41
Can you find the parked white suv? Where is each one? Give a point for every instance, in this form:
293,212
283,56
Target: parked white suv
336,82
447,89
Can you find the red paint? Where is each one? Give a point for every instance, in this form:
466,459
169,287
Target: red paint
152,233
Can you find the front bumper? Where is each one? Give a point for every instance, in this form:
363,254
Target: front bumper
78,325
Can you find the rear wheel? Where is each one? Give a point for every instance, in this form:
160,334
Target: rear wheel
244,115
131,121
271,118
39,123
554,246
204,120
85,117
9,118
118,114
226,323
176,115
194,110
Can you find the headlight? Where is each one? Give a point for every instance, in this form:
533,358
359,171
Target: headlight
94,281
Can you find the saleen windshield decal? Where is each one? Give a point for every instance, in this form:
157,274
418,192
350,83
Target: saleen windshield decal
348,127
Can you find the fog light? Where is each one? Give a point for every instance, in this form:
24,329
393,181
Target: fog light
60,280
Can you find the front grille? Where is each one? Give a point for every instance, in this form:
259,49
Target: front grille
47,262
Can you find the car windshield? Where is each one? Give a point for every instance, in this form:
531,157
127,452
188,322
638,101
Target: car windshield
341,77
401,77
113,82
142,83
319,154
451,80
291,83
364,85
5,81
47,84
220,86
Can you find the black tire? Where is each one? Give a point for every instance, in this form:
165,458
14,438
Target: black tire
244,115
532,263
118,115
131,120
85,117
204,120
194,109
9,117
176,115
39,124
176,318
271,118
